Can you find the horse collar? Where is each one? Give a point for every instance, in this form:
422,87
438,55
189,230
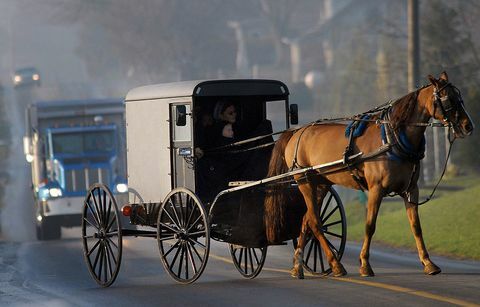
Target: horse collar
402,149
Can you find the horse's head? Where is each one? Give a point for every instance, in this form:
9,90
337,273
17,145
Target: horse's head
448,106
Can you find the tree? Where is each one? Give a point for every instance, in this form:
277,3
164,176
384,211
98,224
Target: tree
449,44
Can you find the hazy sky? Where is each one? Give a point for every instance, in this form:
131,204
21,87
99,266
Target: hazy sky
29,39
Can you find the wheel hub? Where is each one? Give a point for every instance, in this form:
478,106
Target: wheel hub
101,234
181,235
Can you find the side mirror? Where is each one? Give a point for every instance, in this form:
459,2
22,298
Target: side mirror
181,115
27,148
294,114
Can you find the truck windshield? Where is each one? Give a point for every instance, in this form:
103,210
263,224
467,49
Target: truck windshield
94,142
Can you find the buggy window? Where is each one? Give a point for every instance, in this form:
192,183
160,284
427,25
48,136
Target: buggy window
182,133
276,114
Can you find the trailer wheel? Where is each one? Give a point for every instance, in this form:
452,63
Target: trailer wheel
102,234
183,235
334,226
248,260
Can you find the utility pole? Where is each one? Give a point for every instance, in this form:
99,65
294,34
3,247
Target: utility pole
413,64
413,45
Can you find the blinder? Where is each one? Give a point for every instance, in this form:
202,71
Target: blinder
444,103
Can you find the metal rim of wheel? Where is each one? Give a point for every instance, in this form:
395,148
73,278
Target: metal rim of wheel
334,226
248,260
102,234
137,199
183,235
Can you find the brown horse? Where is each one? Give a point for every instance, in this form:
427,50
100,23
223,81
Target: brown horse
325,142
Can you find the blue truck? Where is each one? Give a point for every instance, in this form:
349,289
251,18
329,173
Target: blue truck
70,145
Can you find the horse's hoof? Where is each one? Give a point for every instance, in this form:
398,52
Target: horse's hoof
431,269
297,273
338,270
366,271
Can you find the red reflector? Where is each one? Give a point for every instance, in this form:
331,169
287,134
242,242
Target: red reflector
127,210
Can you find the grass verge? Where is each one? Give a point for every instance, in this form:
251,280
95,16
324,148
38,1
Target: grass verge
450,222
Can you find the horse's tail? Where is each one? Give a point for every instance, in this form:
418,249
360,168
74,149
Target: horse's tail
276,195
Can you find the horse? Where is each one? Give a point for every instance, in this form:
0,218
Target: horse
393,171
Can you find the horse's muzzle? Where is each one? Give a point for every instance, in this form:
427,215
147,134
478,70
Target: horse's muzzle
462,131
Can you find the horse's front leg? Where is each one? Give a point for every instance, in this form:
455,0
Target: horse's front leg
297,270
375,196
429,267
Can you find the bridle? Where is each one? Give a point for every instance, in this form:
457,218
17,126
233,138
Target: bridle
445,106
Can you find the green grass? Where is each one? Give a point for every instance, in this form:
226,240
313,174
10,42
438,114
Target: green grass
450,222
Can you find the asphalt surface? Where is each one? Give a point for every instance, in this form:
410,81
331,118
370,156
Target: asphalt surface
54,274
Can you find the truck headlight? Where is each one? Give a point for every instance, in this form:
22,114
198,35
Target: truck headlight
55,192
121,187
29,158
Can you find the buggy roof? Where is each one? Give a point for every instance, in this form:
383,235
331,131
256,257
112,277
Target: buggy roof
210,88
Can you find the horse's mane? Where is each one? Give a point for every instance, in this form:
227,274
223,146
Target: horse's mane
402,109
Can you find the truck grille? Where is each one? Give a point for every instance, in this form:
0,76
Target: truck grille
79,180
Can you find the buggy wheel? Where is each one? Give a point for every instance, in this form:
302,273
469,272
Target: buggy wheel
101,234
248,260
183,235
334,226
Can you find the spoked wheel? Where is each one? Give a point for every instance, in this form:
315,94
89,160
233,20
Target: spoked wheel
248,260
134,196
101,234
183,235
334,226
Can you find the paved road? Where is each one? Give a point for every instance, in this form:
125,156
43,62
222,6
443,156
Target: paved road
53,274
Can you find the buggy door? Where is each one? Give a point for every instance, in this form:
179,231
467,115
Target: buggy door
181,147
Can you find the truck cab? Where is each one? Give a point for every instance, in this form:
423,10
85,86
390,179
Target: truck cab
71,145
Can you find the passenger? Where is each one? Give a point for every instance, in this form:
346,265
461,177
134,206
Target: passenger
224,113
227,136
217,169
203,131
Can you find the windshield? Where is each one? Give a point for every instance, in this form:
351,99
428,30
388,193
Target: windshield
94,142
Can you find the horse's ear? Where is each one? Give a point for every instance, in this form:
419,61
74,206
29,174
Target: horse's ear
444,76
432,80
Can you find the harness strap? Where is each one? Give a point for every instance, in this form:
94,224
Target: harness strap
346,160
402,149
295,163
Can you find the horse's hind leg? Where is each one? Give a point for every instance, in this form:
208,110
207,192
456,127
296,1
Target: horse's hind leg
429,267
297,270
310,195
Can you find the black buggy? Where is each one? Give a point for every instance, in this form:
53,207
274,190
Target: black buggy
177,198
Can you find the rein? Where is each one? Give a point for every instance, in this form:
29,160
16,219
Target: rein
218,150
382,120
324,121
443,172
